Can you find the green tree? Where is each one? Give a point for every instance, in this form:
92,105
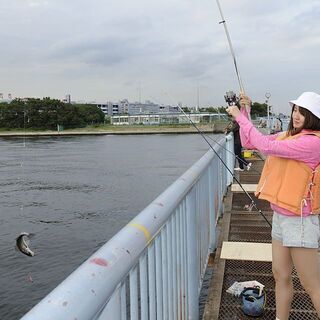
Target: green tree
12,115
91,114
259,109
47,114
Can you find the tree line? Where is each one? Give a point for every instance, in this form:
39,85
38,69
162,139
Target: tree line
47,114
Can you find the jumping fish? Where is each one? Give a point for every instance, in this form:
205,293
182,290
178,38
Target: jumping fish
22,244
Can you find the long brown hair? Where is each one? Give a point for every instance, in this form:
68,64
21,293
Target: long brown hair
311,122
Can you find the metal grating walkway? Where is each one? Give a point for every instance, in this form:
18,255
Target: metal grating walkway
243,226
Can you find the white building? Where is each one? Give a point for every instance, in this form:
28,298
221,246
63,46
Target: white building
164,118
132,108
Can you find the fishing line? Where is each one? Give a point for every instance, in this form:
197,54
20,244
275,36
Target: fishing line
253,203
23,153
238,158
215,141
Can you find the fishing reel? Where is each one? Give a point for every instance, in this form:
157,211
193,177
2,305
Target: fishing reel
231,98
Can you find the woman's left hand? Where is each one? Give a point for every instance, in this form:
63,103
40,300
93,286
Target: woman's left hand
233,111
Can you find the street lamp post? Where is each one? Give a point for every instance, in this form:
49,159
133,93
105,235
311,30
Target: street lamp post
268,95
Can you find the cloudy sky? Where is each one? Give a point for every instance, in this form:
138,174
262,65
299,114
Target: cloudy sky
160,50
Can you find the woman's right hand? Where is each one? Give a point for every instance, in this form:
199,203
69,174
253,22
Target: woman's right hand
233,111
244,101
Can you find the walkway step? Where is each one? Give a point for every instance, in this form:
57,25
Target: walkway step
247,187
251,251
241,202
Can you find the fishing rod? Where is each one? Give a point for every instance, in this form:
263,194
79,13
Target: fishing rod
253,203
223,22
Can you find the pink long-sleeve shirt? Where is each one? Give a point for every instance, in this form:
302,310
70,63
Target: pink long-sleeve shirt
305,148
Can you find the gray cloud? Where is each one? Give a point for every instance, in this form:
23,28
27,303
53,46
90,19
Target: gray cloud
102,49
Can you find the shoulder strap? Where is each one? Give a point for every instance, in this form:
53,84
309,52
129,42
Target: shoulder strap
316,133
311,133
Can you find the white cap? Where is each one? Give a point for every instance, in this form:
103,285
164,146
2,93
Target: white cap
310,101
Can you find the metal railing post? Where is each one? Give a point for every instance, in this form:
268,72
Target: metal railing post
193,266
113,308
211,209
230,157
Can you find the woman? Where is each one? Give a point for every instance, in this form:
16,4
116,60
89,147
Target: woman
290,181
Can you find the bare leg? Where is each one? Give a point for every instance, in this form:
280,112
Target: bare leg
282,270
307,264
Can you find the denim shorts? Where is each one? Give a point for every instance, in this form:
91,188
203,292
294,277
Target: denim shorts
296,231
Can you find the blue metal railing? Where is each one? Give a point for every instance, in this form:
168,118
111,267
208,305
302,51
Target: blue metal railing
154,267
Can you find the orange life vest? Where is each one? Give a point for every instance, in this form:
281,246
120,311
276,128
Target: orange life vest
290,183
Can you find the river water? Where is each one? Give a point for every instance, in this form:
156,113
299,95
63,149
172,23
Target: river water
74,194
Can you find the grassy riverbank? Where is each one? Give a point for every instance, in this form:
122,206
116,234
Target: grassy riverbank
124,129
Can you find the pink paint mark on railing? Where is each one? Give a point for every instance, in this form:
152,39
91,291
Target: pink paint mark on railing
99,261
159,204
